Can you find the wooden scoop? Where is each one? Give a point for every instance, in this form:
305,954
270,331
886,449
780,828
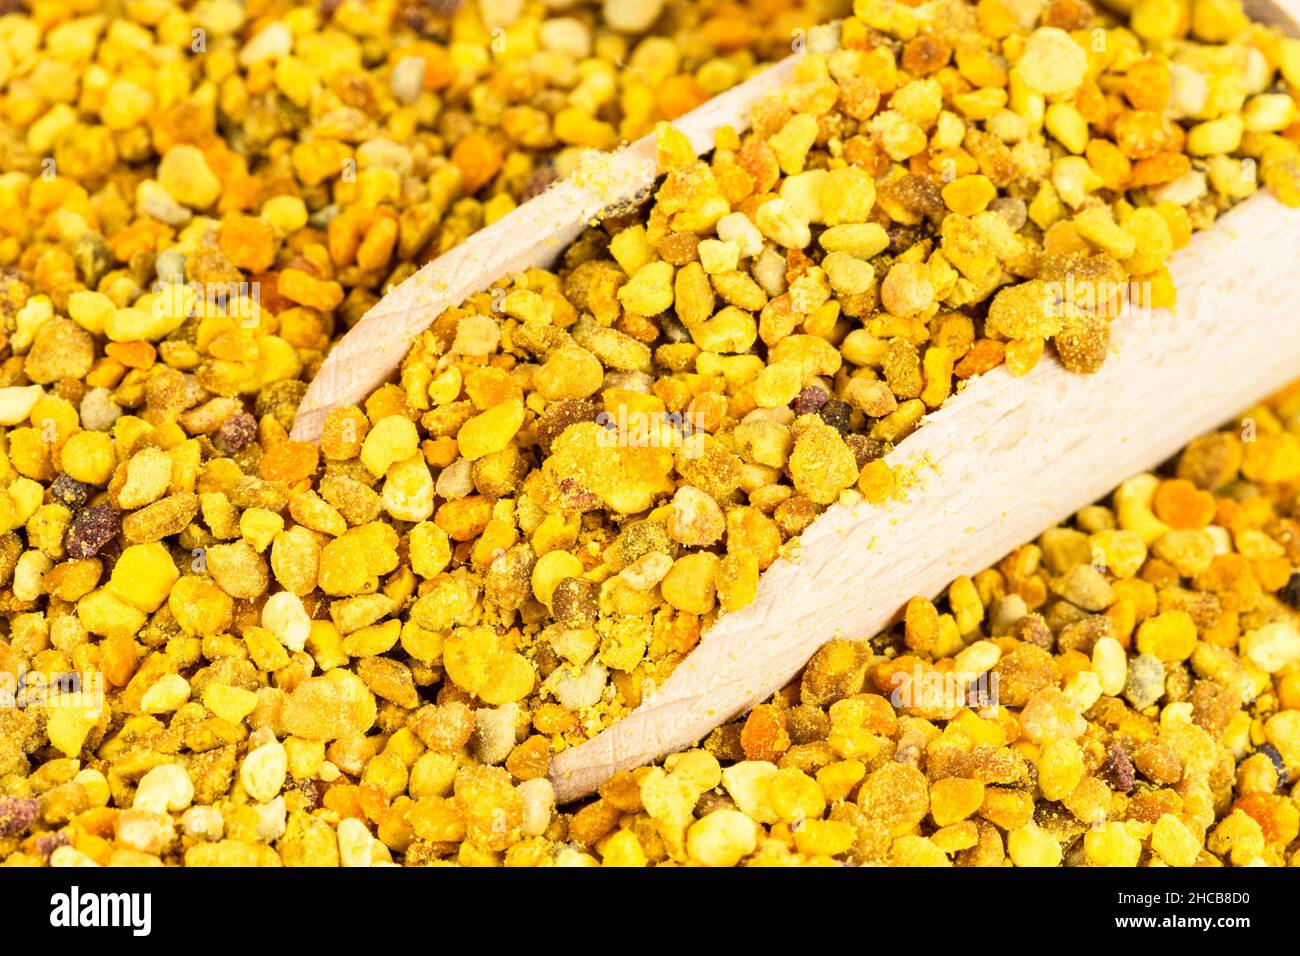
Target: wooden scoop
997,464
1002,460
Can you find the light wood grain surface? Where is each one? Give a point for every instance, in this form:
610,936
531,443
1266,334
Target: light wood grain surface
997,464
1283,14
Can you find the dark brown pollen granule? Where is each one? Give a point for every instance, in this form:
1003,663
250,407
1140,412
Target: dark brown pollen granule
809,401
575,603
559,416
1033,629
837,414
866,449
920,195
237,431
1290,593
903,237
1117,769
91,529
47,843
17,814
313,791
69,492
639,538
1058,821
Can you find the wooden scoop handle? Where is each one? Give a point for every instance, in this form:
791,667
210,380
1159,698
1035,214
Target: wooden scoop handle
1283,14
